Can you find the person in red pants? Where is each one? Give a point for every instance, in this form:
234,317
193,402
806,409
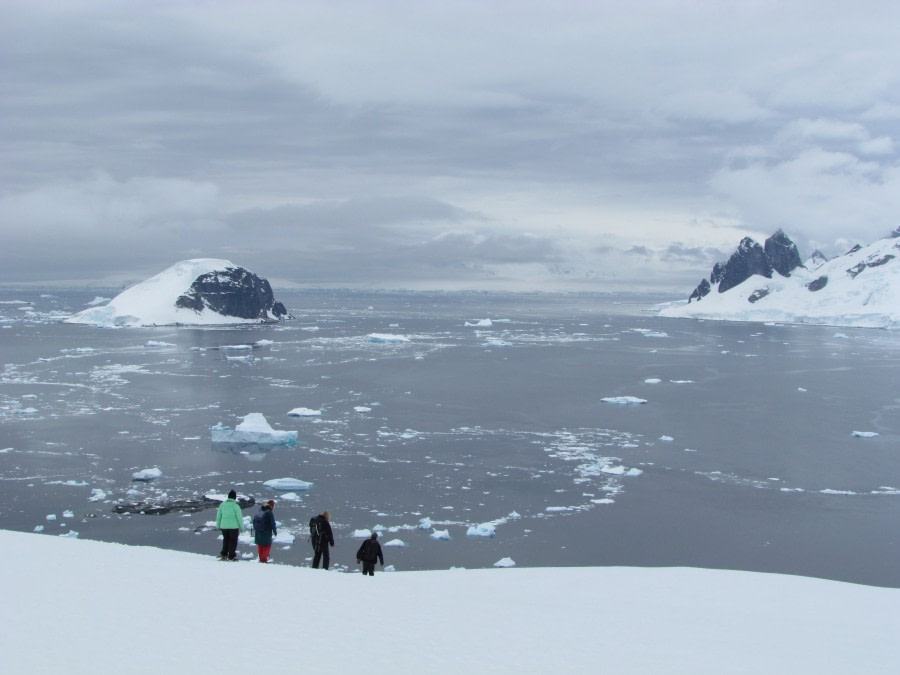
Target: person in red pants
264,530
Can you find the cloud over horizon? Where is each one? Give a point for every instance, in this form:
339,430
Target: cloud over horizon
527,145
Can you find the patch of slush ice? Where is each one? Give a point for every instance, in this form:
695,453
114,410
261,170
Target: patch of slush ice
829,491
287,484
69,483
146,474
505,562
624,400
304,412
395,543
440,535
386,337
865,434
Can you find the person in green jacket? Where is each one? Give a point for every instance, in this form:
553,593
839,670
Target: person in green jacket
230,520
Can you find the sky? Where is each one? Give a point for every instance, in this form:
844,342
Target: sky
528,145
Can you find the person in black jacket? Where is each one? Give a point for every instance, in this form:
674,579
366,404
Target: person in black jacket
322,538
368,553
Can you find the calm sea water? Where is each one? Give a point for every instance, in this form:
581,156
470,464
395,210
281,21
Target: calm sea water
469,424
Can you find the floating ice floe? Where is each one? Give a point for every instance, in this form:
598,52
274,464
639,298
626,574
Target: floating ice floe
865,434
254,429
290,496
557,509
624,400
69,483
667,439
157,343
505,562
425,523
361,534
386,337
481,323
389,568
284,538
440,535
496,343
395,543
51,516
71,534
652,380
287,484
146,475
362,409
68,514
38,528
482,530
304,412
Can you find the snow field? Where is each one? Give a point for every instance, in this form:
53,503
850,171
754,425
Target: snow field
622,620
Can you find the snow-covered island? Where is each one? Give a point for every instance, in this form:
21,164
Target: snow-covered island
491,620
202,291
769,283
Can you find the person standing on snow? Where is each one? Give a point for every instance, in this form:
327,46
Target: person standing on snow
321,538
230,520
368,554
264,529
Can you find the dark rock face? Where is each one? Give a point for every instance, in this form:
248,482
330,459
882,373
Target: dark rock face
160,507
747,260
236,292
701,291
758,295
779,255
782,253
817,284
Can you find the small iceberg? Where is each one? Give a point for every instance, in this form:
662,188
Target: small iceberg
505,562
395,543
254,429
624,400
482,530
425,523
290,484
865,434
440,535
146,475
304,412
481,323
361,534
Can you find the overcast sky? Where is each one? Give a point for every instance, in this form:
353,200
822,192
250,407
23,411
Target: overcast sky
422,144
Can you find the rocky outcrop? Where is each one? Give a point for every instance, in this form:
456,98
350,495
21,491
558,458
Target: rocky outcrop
818,284
192,505
780,255
233,291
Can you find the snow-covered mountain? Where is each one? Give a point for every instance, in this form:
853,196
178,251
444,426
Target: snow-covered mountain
860,288
202,291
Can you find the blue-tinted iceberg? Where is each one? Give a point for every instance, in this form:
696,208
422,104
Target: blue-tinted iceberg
254,429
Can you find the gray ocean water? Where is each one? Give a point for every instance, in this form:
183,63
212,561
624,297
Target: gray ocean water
467,424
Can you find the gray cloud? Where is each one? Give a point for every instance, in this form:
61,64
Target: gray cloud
354,143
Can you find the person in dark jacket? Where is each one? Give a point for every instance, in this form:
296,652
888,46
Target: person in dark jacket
324,539
368,553
263,536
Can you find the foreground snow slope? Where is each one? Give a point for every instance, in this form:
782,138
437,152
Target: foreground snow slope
89,607
862,290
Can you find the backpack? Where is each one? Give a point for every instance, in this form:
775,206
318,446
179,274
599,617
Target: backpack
259,522
315,531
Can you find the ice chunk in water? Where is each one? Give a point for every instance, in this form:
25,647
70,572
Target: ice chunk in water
254,429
